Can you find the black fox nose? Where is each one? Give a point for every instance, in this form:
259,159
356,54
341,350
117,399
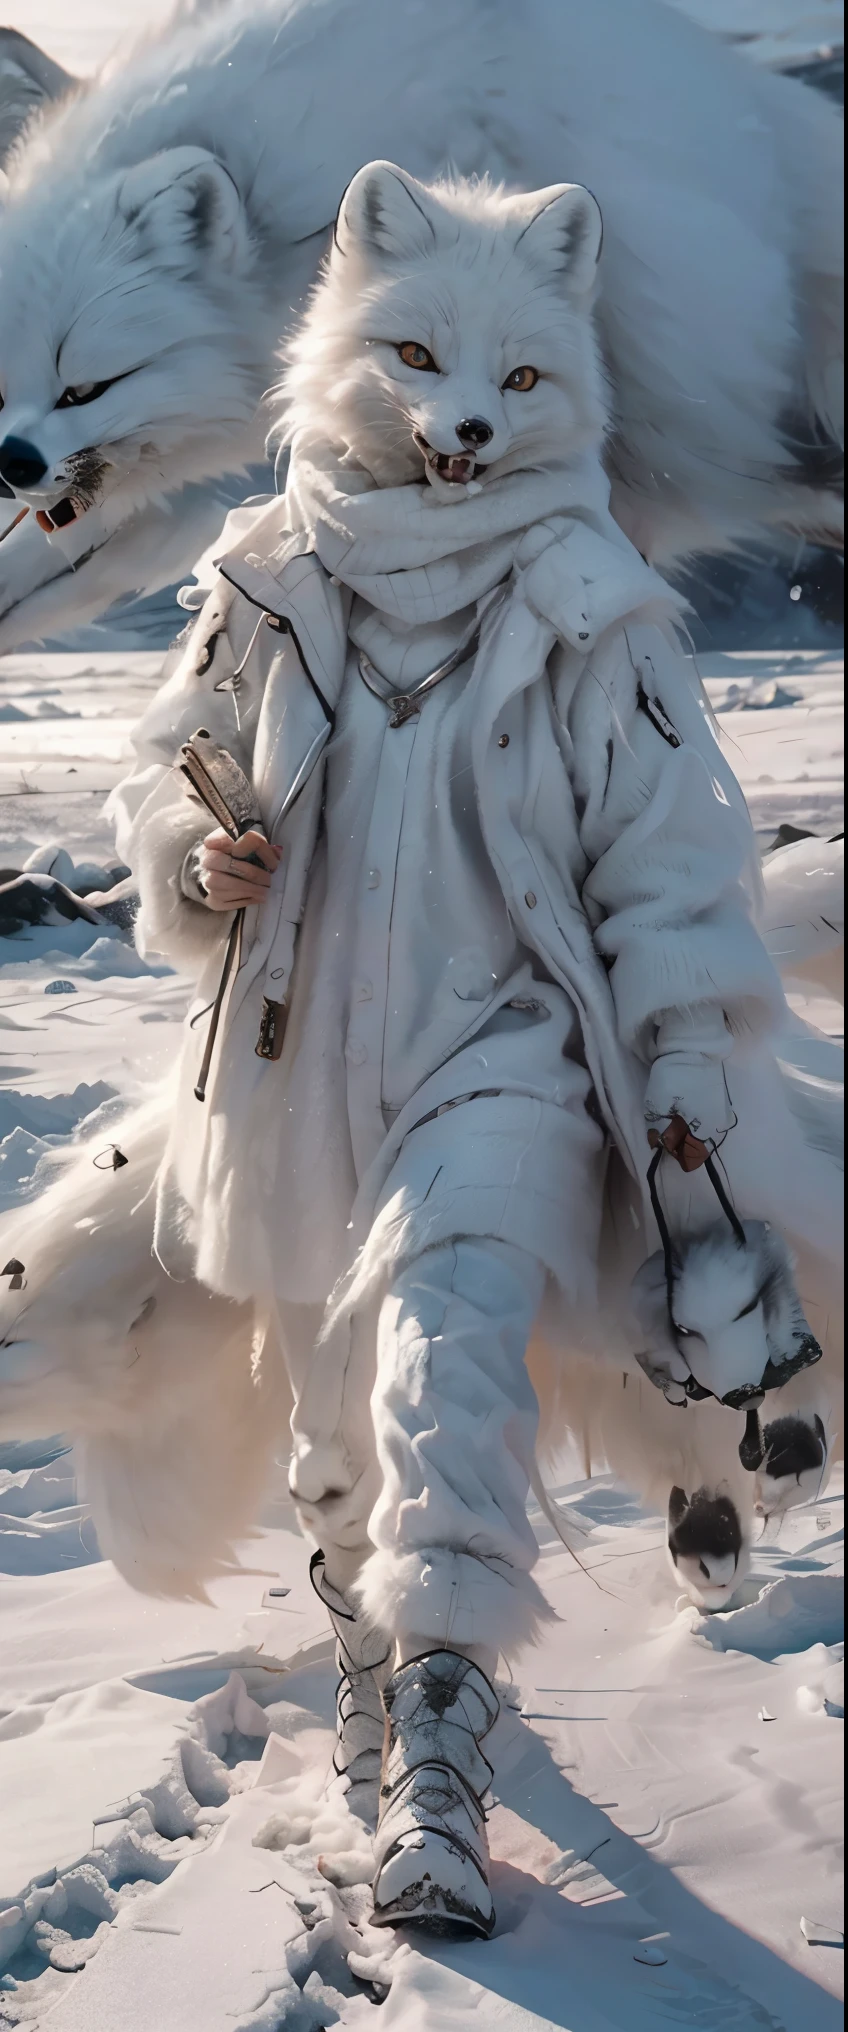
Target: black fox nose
20,464
474,432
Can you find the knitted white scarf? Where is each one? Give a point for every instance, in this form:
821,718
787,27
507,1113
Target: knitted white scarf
420,567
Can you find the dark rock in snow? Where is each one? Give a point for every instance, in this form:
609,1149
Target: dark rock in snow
122,913
39,899
51,860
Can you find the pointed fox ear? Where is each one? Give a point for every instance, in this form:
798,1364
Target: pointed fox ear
29,80
186,204
564,230
385,212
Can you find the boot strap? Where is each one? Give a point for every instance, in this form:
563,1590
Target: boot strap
434,1764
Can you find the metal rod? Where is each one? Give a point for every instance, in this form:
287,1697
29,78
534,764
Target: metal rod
217,1006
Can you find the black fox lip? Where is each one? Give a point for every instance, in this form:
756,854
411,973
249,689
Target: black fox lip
456,467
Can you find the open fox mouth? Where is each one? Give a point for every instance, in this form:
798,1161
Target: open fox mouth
65,512
455,467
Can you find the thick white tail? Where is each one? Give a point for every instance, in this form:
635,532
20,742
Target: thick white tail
162,1386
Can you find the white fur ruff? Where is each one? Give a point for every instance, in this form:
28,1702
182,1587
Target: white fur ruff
454,1599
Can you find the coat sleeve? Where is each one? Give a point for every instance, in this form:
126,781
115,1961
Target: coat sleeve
673,878
158,820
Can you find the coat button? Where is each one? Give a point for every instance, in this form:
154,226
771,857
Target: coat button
373,878
355,1051
503,740
529,899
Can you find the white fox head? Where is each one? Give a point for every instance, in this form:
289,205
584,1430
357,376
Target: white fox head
121,356
451,332
738,1323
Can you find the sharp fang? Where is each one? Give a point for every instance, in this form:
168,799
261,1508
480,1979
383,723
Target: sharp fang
444,464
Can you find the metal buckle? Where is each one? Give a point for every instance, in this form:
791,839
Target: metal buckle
403,707
272,1029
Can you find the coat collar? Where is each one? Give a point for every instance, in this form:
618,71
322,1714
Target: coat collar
281,575
578,581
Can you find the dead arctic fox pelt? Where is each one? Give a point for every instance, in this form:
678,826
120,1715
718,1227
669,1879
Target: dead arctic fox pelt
163,222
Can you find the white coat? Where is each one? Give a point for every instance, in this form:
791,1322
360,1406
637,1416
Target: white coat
639,895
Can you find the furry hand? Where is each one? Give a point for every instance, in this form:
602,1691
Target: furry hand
229,874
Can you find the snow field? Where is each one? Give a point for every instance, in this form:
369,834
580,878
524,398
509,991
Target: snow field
667,1800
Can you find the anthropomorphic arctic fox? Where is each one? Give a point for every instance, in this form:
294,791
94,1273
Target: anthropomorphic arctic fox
498,1005
162,221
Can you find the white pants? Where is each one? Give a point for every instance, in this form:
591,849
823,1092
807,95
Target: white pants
425,1507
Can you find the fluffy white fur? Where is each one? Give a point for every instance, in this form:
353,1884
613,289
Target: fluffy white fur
174,1415
804,915
465,1600
620,1420
171,1395
162,222
484,284
735,1310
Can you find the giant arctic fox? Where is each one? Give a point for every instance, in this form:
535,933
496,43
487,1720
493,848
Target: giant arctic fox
163,222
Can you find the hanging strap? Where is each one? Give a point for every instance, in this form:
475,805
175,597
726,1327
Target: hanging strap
728,1209
724,1202
662,1225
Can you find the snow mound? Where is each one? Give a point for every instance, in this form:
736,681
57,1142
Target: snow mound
791,1614
39,1117
206,1803
20,1155
104,960
59,941
42,1525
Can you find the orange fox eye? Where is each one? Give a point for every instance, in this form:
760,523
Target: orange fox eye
521,379
414,355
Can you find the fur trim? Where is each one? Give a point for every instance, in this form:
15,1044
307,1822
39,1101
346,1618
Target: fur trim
185,932
451,1598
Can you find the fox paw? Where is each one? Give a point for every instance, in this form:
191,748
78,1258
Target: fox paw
706,1546
794,1465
